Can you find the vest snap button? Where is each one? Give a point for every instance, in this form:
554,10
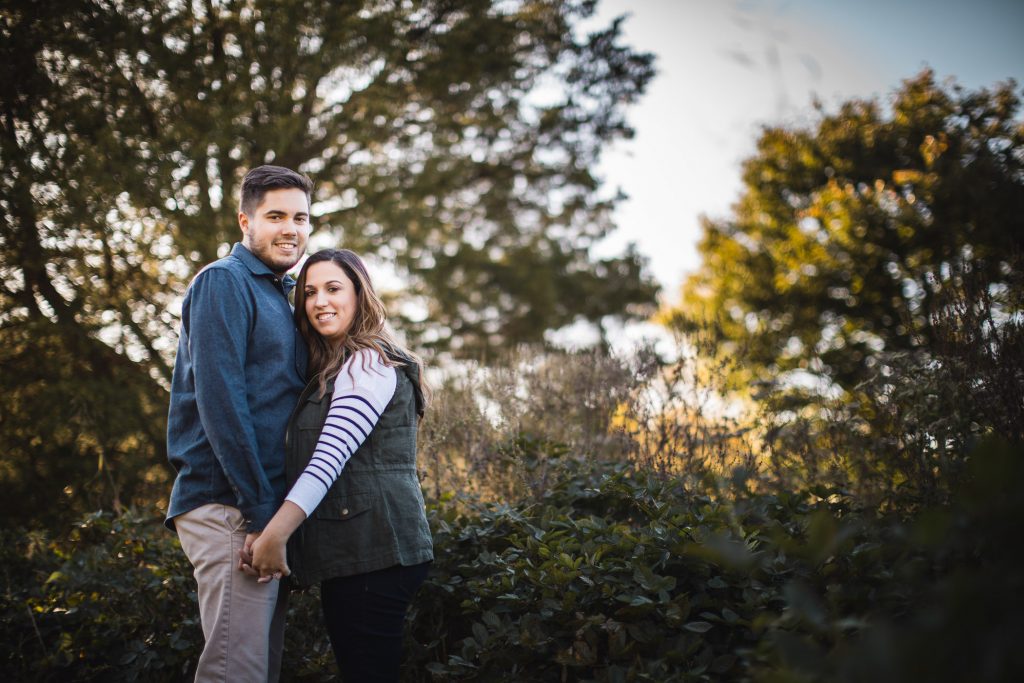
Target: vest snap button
344,511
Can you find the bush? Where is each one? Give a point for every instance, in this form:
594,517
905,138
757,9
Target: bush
616,576
905,435
116,601
607,575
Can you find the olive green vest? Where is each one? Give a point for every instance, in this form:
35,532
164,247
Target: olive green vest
373,516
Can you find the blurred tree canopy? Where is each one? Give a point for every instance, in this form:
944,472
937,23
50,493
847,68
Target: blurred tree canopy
851,234
455,139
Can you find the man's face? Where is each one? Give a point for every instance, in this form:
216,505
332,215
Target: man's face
276,232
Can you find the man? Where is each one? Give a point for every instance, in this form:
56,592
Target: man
240,368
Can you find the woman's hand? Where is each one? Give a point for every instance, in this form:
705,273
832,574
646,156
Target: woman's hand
269,557
264,552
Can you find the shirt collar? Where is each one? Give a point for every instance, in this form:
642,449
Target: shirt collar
257,267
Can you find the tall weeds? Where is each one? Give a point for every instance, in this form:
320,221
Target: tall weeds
670,416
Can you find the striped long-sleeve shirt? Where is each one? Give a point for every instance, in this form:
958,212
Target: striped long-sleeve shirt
361,392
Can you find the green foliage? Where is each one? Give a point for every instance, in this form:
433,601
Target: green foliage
607,576
126,128
82,427
851,232
598,580
614,577
115,601
907,433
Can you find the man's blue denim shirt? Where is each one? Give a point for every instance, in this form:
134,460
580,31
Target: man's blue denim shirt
240,368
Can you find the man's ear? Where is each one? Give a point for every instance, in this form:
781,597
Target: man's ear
243,223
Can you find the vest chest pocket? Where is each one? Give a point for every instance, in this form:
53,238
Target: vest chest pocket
310,419
343,508
309,426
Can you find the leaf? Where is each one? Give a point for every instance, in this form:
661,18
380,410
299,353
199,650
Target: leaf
805,605
722,663
698,626
491,620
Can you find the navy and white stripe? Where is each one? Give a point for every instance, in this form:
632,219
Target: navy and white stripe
356,405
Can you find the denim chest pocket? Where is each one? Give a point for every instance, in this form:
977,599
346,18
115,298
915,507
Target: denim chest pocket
345,507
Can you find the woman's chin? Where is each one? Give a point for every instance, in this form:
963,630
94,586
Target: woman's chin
330,333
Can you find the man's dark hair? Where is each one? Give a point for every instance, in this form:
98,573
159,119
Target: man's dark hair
260,180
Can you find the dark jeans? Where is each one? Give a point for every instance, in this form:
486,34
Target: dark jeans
365,615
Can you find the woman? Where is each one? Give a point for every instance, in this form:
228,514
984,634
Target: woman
361,533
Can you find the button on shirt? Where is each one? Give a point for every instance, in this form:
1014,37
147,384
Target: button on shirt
239,371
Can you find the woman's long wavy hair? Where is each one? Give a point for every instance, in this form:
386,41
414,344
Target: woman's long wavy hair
368,329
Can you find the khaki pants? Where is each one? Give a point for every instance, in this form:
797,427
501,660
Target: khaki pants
243,621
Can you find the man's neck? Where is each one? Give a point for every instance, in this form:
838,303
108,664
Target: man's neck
279,275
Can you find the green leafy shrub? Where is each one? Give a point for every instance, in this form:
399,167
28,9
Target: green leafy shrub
935,596
611,575
116,601
608,574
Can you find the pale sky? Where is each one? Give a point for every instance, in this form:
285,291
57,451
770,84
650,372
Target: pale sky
725,67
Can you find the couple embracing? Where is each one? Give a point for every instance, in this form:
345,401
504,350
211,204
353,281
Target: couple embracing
294,430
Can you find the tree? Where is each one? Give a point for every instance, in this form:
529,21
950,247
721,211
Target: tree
453,138
849,233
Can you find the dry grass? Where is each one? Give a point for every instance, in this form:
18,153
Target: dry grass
499,432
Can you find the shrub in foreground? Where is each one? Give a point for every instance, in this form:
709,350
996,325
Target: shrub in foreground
609,575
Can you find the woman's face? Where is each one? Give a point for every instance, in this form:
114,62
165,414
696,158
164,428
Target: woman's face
330,300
